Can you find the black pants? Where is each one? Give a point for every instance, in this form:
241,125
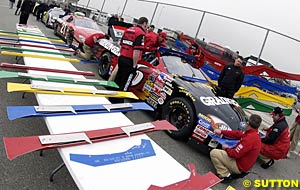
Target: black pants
124,77
125,73
39,14
16,13
24,18
224,92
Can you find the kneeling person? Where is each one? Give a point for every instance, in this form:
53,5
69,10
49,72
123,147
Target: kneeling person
89,44
241,158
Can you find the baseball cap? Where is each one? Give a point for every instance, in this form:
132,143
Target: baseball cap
276,110
163,35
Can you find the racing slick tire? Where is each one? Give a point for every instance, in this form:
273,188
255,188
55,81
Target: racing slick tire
180,112
104,65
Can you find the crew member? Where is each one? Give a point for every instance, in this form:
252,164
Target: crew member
132,46
154,41
230,79
26,9
276,143
237,161
89,44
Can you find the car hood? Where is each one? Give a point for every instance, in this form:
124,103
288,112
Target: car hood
207,103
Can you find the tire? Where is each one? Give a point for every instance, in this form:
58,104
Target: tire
104,65
180,112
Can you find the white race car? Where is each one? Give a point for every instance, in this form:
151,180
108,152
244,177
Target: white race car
50,16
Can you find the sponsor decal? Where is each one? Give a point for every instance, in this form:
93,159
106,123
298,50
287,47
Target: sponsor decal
215,101
168,90
165,77
160,101
152,102
187,93
204,122
110,46
169,84
197,137
201,131
127,42
213,143
163,95
151,78
159,84
148,82
74,43
147,88
155,96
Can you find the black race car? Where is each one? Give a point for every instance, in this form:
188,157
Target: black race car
182,95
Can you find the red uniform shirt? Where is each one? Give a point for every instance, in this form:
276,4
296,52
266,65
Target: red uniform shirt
133,39
247,149
151,39
276,144
90,40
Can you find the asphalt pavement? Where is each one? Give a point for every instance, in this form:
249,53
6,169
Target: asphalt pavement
31,171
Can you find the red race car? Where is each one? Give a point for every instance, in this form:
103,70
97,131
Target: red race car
74,29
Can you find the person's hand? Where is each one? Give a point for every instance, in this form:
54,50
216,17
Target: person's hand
225,146
217,131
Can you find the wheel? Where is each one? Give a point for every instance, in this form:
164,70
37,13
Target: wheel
180,112
104,65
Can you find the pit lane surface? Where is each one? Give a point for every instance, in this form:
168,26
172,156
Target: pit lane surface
32,171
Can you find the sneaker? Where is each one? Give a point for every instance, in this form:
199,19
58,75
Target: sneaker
227,179
241,175
288,155
267,164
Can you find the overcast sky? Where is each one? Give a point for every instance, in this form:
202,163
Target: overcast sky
278,15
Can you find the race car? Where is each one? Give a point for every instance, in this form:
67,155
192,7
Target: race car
182,95
74,29
211,53
50,16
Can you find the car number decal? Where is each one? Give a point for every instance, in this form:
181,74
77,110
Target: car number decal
138,78
63,28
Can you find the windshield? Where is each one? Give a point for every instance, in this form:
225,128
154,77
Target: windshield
179,66
86,23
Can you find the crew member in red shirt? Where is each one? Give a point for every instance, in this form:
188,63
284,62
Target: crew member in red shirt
238,160
276,143
132,46
89,44
154,41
